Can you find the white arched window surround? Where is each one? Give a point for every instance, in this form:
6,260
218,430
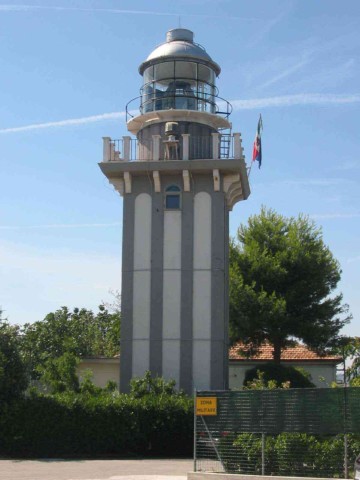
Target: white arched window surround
172,197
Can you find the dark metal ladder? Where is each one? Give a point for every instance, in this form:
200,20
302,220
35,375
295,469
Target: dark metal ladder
225,144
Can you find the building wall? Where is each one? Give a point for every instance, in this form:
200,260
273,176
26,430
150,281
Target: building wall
174,299
322,375
103,370
109,369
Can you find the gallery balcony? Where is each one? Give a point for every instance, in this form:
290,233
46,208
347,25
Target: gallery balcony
183,147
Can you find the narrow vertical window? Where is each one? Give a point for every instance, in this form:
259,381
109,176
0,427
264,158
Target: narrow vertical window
172,198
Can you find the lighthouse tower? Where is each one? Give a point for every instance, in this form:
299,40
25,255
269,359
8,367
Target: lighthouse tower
180,173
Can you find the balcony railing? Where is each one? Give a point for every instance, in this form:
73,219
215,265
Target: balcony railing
184,147
200,101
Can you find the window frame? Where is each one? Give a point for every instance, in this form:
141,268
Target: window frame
173,191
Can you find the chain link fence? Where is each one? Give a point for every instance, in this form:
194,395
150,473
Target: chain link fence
295,432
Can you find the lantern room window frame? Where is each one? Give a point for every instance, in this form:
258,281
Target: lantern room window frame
170,85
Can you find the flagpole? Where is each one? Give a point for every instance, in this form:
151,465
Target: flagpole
249,171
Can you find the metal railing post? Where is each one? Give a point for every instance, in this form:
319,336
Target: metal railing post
126,146
263,454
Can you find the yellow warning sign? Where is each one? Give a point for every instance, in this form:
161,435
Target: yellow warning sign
206,406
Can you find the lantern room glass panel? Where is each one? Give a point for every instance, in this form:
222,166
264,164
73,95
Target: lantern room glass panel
180,84
164,70
186,70
205,74
148,75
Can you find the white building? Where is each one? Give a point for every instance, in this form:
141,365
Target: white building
321,369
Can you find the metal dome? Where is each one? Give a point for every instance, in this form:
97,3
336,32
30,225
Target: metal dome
180,45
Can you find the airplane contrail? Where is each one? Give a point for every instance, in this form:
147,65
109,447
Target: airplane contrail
27,8
303,99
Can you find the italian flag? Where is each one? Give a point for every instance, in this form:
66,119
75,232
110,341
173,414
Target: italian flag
257,143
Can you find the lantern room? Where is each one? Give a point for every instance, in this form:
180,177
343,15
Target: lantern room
179,74
179,88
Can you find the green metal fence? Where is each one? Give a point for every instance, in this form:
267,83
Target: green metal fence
294,432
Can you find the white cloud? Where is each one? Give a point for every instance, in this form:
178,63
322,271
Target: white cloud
65,123
285,73
28,8
238,104
295,100
325,216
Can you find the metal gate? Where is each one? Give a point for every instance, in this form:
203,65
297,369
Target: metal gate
292,432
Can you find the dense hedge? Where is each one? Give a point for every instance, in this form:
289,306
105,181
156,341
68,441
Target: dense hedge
76,425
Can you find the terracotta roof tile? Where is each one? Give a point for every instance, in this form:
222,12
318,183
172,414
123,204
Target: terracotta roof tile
265,353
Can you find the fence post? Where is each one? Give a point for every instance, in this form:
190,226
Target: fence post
346,468
195,430
263,454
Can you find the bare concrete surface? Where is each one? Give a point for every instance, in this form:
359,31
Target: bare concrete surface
95,469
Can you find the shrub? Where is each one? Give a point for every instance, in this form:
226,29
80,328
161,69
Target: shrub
149,385
70,424
280,375
291,454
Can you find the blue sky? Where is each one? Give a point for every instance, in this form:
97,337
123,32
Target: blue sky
68,70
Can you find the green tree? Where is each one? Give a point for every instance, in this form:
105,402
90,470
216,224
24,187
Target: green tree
59,374
348,348
12,370
79,333
149,385
272,375
282,276
352,352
